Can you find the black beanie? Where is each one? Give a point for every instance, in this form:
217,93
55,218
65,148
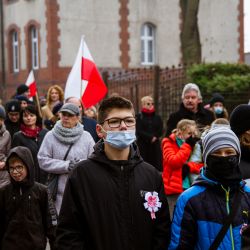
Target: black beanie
57,107
21,89
13,106
240,119
23,98
216,97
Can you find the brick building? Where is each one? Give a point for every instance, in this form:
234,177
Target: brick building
45,35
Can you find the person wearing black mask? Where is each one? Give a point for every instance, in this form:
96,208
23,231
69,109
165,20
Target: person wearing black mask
217,196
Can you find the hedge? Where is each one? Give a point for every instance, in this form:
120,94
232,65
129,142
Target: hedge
219,77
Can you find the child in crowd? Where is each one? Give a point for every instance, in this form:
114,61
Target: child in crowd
177,150
214,212
27,215
197,151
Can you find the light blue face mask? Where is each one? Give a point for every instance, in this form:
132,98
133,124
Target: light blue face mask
120,139
218,110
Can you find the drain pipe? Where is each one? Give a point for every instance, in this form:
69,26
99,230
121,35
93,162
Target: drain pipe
2,81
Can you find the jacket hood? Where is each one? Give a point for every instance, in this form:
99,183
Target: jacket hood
25,155
100,156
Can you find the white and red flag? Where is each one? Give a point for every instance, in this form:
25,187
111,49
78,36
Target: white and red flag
31,83
84,80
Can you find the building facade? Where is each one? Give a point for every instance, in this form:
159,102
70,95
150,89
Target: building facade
44,35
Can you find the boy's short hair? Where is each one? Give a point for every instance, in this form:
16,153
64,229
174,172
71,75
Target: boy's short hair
111,103
13,158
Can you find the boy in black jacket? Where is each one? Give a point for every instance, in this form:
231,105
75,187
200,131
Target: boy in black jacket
27,216
114,200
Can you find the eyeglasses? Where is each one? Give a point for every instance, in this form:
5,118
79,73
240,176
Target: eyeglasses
116,122
18,168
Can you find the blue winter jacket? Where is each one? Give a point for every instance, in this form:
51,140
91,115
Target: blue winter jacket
199,215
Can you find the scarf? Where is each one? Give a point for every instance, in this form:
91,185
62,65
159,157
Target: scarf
67,135
148,111
30,132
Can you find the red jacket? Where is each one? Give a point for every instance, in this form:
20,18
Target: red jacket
173,159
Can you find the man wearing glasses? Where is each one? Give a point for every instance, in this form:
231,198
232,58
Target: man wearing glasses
114,200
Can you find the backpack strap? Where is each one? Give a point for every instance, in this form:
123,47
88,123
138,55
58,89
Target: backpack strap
227,222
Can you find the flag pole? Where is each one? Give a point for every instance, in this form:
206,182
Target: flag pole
38,105
82,69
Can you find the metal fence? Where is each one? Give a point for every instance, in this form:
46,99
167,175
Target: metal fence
165,85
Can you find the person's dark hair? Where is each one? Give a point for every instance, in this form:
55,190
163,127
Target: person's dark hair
111,103
33,110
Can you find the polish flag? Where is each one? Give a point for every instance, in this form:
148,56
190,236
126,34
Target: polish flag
31,83
84,80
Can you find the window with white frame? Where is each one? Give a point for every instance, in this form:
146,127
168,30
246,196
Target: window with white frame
15,51
148,44
34,47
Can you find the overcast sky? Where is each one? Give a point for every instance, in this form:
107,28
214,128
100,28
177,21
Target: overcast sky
247,25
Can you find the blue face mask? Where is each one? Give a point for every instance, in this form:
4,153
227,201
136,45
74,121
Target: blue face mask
120,139
218,110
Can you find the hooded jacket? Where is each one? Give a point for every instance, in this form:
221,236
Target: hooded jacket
27,215
200,212
103,206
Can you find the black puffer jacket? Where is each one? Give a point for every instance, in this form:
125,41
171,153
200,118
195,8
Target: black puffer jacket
103,206
27,216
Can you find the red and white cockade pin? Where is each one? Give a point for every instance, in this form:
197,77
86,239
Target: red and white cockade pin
152,203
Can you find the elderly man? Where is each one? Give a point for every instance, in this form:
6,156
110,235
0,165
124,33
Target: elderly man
191,108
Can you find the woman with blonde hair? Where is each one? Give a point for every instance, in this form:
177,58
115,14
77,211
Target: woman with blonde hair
54,96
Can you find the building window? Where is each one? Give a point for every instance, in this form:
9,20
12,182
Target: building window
34,47
148,44
15,51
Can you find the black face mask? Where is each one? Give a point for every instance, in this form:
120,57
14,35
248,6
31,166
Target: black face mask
223,169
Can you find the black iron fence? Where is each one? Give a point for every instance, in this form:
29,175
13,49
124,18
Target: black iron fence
165,85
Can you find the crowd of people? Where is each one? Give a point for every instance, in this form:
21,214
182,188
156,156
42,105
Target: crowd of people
106,178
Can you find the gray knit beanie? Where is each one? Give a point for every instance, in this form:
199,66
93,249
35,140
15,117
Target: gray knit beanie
217,138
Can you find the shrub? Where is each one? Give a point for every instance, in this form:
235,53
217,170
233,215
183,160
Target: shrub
219,77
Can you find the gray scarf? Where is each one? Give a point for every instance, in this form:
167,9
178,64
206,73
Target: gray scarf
67,135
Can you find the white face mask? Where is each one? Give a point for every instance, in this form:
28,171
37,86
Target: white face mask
120,139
